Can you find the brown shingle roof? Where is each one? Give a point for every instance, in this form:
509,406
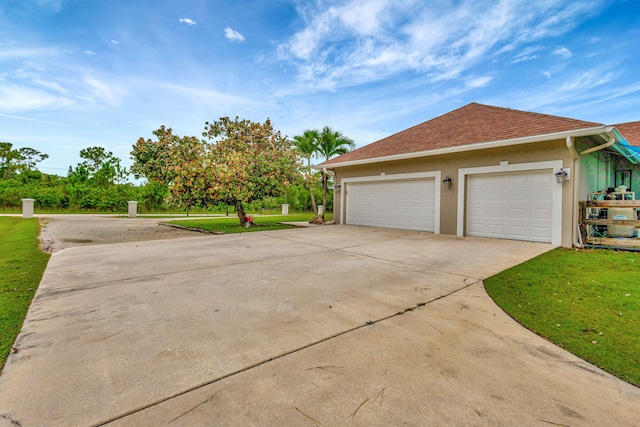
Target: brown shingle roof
631,132
471,124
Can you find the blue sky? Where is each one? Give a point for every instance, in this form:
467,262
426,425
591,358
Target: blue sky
79,73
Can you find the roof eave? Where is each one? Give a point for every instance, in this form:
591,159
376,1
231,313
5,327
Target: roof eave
472,147
627,150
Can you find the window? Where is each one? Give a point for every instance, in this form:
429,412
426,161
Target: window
623,178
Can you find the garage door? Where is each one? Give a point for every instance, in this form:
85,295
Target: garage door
404,204
514,206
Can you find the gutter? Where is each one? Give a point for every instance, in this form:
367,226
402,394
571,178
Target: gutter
471,147
612,140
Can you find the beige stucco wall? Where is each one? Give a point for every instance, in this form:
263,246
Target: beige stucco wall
449,164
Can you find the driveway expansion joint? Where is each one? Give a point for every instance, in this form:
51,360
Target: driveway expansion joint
280,356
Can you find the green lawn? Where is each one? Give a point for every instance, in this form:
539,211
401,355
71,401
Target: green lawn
22,265
231,224
585,301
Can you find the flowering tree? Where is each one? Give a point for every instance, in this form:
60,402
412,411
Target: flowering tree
239,162
246,162
174,162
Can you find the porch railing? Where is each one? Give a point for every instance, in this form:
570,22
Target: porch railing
596,226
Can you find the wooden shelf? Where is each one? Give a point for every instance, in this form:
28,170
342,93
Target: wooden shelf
613,242
612,203
587,225
635,223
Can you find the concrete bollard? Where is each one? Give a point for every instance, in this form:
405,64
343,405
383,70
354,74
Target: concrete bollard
320,209
285,209
133,208
27,208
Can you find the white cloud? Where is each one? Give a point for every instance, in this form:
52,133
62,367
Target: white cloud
116,42
563,52
547,74
15,98
52,6
89,52
187,21
352,42
527,54
7,53
566,89
233,35
103,92
478,82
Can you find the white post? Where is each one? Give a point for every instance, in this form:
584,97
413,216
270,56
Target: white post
27,208
320,209
285,209
133,208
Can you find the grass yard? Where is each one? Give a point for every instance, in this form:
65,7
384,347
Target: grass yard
22,265
231,224
585,301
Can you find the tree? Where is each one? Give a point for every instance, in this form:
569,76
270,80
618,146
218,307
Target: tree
99,166
307,146
15,161
246,162
155,160
172,162
332,143
30,157
187,185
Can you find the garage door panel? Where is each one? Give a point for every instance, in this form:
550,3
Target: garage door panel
544,214
495,213
517,231
405,204
510,205
518,213
517,195
541,233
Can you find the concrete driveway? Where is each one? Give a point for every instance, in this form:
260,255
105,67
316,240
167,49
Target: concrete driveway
322,326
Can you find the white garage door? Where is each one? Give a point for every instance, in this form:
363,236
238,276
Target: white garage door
514,206
404,204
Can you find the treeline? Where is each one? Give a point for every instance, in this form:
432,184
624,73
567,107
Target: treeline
100,184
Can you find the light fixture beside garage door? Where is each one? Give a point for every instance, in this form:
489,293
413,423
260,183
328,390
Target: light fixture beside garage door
561,176
446,183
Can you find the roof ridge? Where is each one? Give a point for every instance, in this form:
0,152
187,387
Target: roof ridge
626,123
535,113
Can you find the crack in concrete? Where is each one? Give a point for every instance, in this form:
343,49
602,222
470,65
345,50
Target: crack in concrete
280,356
91,285
345,250
11,420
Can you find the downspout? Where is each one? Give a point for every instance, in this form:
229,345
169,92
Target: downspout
575,232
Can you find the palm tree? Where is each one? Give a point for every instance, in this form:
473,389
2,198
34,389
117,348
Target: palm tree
307,146
331,143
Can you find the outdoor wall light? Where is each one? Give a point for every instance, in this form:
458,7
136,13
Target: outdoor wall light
338,187
561,176
447,182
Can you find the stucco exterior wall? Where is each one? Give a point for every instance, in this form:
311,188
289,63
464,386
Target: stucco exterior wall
449,164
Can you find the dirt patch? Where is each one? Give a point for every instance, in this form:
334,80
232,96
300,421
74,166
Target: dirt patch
63,231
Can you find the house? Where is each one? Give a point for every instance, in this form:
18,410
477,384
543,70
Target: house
486,171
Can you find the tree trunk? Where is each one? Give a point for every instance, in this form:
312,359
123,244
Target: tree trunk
324,196
313,199
241,214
